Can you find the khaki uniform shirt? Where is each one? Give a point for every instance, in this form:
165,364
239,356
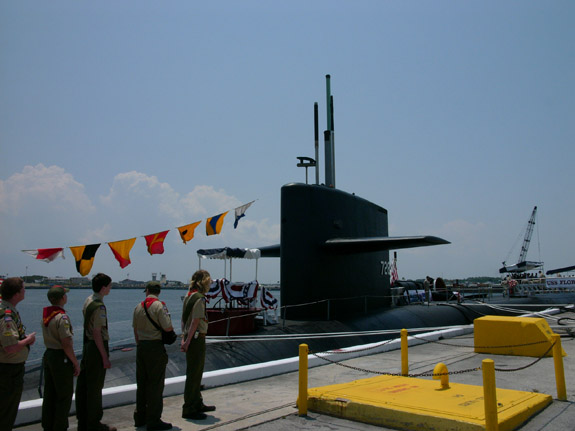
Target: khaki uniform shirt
198,312
58,329
159,314
11,331
99,318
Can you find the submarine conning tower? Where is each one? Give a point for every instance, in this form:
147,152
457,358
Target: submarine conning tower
334,246
334,284
310,273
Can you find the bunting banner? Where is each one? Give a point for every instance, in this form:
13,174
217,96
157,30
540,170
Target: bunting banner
240,291
46,254
215,290
241,212
214,224
84,256
187,231
121,250
155,242
268,301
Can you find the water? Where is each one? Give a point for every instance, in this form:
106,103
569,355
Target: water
120,304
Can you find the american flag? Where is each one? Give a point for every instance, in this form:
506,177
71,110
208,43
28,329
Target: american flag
394,275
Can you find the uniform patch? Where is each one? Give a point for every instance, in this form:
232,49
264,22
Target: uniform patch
7,318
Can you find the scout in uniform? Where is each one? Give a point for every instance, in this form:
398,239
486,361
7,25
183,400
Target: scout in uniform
60,363
194,329
151,358
14,348
95,358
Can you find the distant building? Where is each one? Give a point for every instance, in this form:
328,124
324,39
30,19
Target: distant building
80,280
131,283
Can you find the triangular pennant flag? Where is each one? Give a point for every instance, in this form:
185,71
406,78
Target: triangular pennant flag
241,212
84,256
155,242
214,224
187,231
121,250
46,254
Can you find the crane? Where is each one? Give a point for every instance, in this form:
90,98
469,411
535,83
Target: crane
522,264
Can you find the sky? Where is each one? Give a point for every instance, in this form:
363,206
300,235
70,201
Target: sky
122,119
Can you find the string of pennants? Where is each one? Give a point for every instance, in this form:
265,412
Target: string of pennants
85,254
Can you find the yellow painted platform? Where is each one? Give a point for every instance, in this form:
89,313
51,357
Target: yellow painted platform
505,335
419,404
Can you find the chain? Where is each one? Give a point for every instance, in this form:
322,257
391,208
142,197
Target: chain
364,370
480,347
426,373
528,365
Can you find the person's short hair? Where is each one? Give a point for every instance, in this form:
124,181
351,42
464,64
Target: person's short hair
56,293
10,287
154,287
100,280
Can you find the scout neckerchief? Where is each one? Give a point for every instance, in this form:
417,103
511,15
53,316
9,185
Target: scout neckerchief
148,301
50,312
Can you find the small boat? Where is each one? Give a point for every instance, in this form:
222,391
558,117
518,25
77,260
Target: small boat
235,305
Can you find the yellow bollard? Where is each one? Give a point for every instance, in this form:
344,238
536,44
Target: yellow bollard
490,395
302,395
559,371
404,354
441,368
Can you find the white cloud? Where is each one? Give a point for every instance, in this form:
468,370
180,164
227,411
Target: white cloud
40,187
133,190
203,200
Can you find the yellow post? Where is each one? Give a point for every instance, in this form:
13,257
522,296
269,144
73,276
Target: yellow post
490,395
404,355
302,395
559,371
441,368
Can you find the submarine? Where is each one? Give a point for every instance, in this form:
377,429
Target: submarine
334,280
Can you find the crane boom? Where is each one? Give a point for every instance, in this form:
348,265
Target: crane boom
527,239
523,265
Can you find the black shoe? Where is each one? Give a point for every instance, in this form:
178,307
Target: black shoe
205,408
160,426
195,416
